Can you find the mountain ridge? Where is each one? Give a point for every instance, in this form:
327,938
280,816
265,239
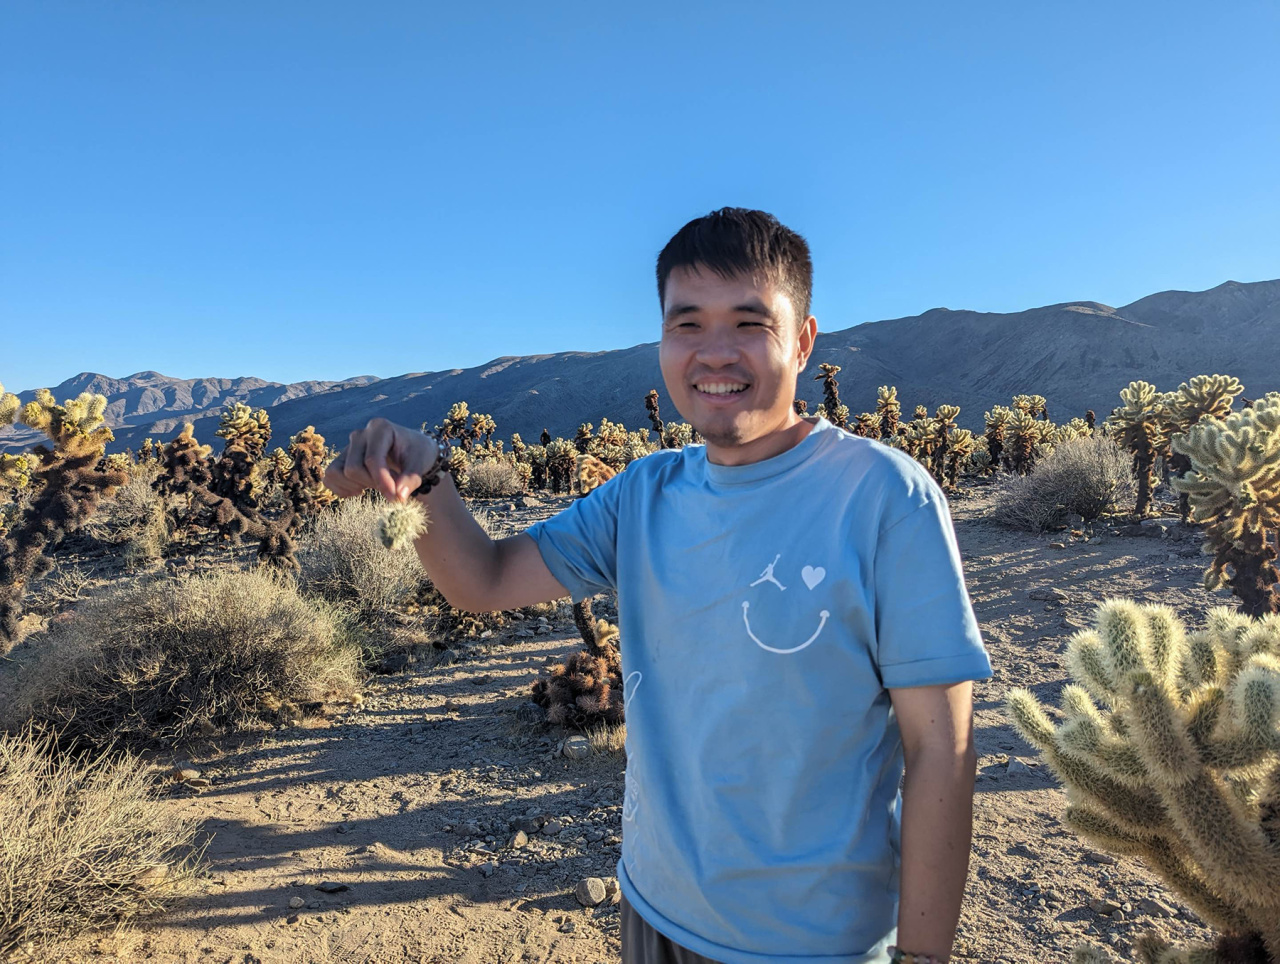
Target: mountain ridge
1078,354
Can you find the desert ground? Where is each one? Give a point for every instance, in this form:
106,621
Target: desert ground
433,823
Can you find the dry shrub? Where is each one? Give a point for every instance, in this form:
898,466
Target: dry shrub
493,479
1087,476
341,559
133,518
84,844
163,660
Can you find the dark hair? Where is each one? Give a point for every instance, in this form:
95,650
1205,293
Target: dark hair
734,241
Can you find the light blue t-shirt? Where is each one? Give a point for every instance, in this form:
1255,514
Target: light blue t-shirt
764,610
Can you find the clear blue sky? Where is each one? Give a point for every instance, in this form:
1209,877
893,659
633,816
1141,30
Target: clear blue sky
321,189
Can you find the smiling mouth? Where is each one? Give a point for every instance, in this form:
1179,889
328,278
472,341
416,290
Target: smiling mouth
722,392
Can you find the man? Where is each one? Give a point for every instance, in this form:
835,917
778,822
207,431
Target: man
795,624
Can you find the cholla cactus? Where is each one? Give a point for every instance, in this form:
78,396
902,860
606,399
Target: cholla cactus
866,425
518,448
587,688
561,465
454,425
70,488
537,458
582,441
591,473
944,420
1204,396
997,421
1074,429
834,412
304,480
399,526
800,406
482,425
960,446
1234,490
888,410
1170,751
677,435
1033,405
1141,426
651,409
236,472
1025,434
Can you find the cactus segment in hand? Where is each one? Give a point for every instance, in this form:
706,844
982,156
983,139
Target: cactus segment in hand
400,525
1170,751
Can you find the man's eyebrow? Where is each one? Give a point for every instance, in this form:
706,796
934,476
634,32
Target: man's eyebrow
682,309
755,307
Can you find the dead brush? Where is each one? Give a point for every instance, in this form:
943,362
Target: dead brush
85,844
163,660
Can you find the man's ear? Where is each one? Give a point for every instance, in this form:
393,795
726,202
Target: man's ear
807,337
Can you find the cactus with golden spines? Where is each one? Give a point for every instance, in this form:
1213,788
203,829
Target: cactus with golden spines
454,425
1024,433
1234,491
237,474
70,486
1141,425
944,420
1033,405
1204,396
518,448
592,472
582,440
677,435
536,456
833,411
482,426
960,447
1170,751
866,425
800,406
651,410
997,422
888,410
1074,429
304,480
561,465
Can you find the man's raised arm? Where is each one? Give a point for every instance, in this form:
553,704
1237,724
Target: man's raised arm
472,571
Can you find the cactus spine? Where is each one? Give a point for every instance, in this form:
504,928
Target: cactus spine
1170,751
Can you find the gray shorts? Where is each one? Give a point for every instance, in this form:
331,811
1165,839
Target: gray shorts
641,944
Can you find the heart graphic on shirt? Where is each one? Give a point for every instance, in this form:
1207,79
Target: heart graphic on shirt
812,575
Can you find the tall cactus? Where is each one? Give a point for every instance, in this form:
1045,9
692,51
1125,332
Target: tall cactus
69,485
1234,489
1141,426
1170,751
833,410
888,410
651,409
1204,396
997,421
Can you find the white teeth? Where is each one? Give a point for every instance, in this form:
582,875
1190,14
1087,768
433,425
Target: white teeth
721,389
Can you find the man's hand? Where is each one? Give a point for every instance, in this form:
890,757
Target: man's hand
382,456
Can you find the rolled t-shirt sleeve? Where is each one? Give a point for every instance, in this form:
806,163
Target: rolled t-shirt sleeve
926,630
580,543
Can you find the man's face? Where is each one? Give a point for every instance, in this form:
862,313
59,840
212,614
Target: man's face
732,332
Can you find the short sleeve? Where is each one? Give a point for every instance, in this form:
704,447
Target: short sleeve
926,631
580,543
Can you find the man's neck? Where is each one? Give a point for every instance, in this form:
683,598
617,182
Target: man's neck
765,447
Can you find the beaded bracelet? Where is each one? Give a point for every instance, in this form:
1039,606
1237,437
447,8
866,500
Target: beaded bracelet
906,957
432,475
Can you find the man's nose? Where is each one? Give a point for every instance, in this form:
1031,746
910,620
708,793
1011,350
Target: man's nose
718,349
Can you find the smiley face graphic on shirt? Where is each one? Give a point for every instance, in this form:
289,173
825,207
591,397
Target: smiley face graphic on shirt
811,577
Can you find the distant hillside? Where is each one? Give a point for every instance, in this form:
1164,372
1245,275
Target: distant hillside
1078,355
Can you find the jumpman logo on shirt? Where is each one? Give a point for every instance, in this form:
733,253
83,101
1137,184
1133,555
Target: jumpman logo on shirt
767,575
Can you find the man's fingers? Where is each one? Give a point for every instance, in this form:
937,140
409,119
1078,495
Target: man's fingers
379,437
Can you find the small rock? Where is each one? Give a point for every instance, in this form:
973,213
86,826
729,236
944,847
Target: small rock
1155,908
1048,595
198,783
342,828
591,892
568,927
576,748
487,868
481,680
296,903
292,919
331,887
1057,545
451,707
186,773
1096,857
552,827
521,839
1075,519
613,892
1101,905
446,657
1016,767
528,824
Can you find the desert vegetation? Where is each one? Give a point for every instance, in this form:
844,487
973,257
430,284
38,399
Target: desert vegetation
155,599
